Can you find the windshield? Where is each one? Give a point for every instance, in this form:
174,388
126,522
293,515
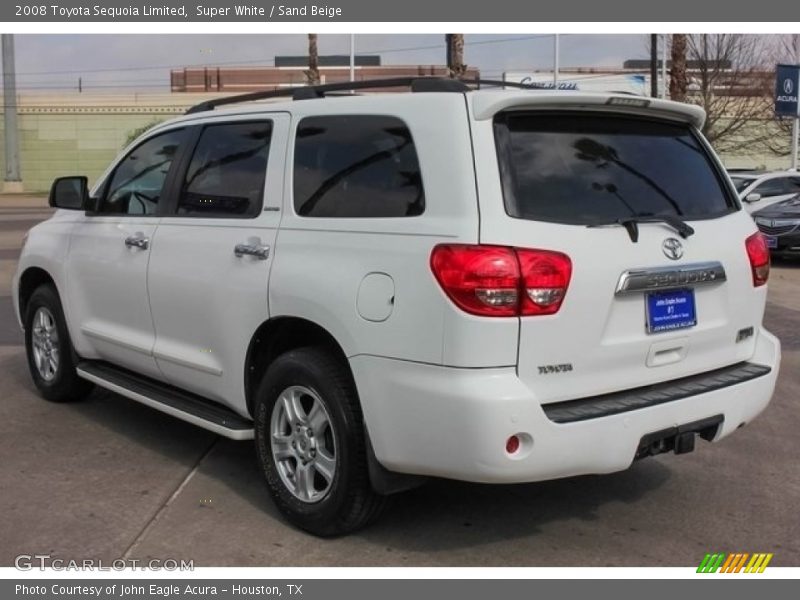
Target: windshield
741,182
593,169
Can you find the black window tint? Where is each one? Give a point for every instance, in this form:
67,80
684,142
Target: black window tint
138,180
772,187
356,167
226,175
589,169
740,183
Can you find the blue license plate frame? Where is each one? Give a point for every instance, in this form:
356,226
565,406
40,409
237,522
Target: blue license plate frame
772,242
670,310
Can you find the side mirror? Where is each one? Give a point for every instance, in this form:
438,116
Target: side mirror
70,193
752,198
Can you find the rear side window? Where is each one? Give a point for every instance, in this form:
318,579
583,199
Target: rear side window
593,169
356,167
774,187
226,175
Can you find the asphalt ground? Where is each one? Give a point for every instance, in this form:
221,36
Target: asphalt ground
108,478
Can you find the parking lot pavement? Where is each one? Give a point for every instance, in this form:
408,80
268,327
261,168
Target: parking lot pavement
108,478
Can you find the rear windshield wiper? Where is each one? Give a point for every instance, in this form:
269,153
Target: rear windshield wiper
631,224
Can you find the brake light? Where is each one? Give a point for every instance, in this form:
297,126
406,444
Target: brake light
498,281
758,253
545,277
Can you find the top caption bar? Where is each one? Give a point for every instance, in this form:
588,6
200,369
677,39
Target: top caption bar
423,11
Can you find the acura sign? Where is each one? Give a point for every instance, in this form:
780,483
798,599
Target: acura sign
787,82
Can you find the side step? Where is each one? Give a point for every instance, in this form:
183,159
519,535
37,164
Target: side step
188,407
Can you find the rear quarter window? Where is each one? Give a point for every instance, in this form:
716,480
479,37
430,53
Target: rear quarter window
580,168
356,166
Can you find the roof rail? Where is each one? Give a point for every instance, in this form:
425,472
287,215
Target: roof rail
417,84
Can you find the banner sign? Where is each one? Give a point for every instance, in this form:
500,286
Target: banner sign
626,83
787,86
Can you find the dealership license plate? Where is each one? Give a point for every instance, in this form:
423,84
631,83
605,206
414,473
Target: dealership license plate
772,242
667,311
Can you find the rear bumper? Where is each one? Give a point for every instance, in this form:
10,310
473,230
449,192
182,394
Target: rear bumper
454,423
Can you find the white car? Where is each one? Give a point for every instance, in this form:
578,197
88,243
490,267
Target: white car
758,190
492,286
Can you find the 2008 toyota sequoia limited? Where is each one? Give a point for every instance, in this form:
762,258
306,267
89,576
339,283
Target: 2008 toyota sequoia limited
486,285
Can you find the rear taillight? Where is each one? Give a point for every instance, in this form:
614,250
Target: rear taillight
545,277
758,253
497,281
482,280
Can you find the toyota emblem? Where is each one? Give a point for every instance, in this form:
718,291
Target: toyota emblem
672,248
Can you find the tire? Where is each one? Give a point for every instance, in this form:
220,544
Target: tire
51,358
318,387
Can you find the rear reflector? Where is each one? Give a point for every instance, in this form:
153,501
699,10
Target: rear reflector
758,253
498,281
512,444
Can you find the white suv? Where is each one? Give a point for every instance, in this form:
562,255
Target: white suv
493,286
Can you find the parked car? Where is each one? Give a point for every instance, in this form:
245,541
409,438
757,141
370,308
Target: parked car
780,224
491,286
758,189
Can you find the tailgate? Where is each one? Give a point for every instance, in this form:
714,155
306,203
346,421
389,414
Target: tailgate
645,304
600,341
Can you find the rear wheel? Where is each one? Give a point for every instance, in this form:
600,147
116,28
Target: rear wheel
51,359
311,446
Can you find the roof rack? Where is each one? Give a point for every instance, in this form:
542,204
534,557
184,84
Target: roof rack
417,84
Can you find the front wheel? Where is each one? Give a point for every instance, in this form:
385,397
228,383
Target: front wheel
49,350
310,443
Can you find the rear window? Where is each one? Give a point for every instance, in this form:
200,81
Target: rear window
592,169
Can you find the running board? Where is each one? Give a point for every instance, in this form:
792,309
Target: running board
183,405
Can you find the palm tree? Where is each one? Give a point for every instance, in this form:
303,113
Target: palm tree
455,55
312,74
677,74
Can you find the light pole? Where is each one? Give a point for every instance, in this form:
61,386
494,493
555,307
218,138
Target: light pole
664,65
555,61
352,57
13,181
653,65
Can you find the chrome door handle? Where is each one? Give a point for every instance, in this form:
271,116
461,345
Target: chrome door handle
137,241
258,251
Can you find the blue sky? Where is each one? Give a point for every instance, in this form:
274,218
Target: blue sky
134,62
